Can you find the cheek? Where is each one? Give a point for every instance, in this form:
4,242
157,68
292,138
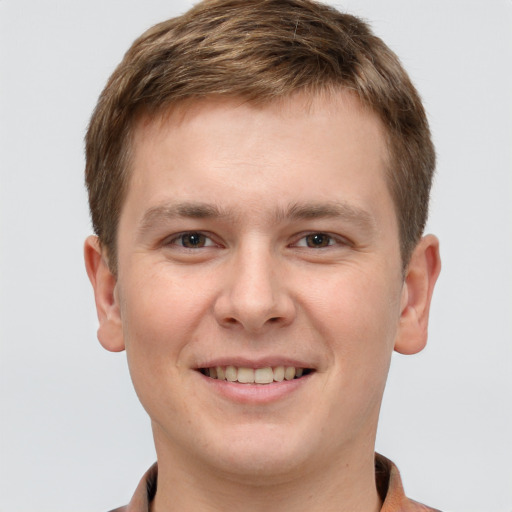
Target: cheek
358,302
160,317
356,317
357,314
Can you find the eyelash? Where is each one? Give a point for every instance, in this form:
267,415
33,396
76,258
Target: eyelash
302,242
182,236
323,239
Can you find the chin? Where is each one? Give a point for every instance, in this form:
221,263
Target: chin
257,453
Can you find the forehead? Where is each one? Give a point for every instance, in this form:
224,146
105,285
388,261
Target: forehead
318,116
289,151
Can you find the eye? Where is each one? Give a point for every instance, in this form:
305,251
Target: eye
316,241
192,240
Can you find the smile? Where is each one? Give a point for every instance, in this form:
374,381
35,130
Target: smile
246,375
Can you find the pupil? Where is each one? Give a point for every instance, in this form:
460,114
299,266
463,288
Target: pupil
193,240
318,240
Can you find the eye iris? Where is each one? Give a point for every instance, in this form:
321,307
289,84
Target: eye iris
193,240
317,240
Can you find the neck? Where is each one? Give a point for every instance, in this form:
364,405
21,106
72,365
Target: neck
346,486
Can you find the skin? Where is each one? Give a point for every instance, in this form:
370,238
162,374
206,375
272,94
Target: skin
256,184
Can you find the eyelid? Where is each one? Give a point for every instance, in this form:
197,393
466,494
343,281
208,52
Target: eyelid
300,240
172,240
337,240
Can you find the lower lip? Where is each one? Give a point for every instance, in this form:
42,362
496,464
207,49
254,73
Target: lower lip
255,393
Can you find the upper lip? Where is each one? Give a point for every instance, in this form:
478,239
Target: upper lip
263,362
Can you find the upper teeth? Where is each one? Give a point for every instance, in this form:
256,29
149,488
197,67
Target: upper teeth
254,375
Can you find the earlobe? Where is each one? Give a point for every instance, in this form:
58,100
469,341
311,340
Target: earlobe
421,276
110,331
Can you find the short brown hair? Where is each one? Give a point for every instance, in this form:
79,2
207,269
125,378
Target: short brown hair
259,50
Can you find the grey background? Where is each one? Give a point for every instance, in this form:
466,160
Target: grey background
72,434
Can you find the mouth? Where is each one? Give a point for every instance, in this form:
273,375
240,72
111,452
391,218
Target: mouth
245,375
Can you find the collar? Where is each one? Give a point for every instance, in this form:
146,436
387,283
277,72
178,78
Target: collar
387,477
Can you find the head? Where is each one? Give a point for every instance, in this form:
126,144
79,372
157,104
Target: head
260,51
259,175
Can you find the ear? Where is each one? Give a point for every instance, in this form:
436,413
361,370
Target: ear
110,331
421,276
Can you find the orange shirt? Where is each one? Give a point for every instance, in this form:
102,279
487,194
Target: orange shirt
387,476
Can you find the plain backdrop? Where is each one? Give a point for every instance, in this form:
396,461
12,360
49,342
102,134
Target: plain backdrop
73,435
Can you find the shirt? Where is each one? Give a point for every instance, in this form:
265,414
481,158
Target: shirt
387,476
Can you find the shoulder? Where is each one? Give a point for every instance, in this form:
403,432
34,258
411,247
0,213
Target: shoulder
415,506
144,493
390,488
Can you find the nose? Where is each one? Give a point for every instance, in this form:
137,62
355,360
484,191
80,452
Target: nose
255,294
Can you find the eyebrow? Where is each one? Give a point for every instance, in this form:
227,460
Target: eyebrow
330,209
191,210
296,211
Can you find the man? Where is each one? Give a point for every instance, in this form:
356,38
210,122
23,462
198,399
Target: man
258,176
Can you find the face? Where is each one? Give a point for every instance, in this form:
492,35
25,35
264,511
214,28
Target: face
259,292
